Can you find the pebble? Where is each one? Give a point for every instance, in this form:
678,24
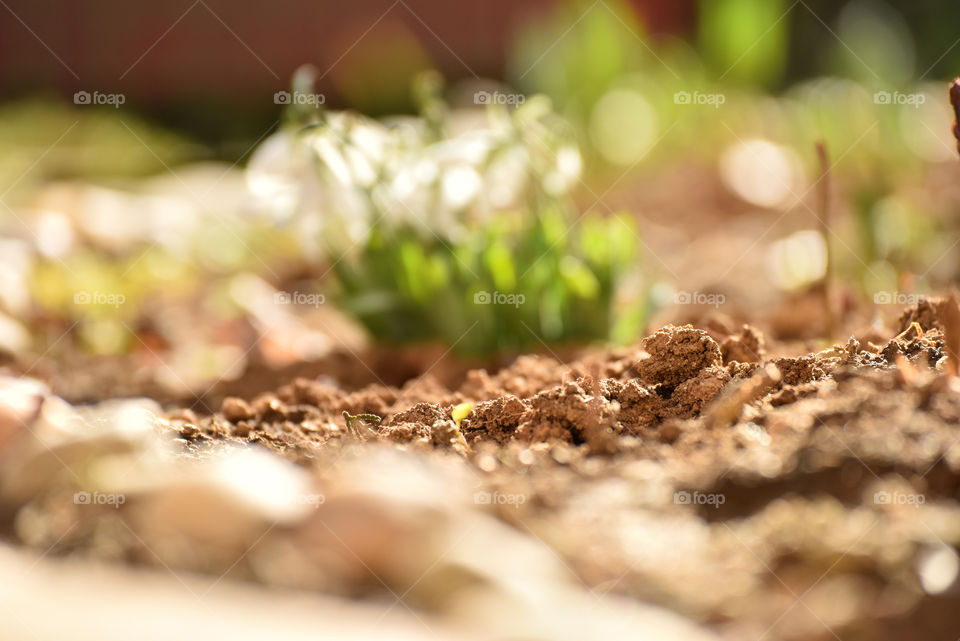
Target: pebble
236,409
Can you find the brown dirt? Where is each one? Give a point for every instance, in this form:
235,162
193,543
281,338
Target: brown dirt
704,470
672,374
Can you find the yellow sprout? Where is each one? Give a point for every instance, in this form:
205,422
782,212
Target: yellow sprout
461,412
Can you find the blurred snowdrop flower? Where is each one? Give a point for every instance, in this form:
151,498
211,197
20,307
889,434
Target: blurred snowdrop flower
465,121
471,147
168,221
18,262
54,233
506,177
331,153
14,337
105,217
371,140
426,171
362,170
567,171
460,186
348,173
403,185
275,174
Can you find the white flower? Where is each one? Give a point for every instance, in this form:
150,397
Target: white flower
506,178
275,174
460,186
351,173
566,173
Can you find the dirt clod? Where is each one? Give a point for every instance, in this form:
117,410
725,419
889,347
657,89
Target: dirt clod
803,369
746,347
673,355
694,394
495,420
236,409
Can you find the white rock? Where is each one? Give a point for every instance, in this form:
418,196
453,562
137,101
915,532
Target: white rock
64,441
229,499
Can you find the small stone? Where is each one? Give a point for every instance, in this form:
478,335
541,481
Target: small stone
189,430
236,409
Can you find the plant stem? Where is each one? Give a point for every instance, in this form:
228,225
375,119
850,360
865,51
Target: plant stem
824,218
955,101
363,419
950,318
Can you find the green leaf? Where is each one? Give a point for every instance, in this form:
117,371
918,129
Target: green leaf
578,277
499,262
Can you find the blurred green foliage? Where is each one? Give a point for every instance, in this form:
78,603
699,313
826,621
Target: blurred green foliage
744,40
788,74
44,140
519,282
578,53
457,227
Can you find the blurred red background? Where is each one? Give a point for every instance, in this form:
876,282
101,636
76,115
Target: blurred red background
163,53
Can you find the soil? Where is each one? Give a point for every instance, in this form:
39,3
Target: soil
710,470
620,441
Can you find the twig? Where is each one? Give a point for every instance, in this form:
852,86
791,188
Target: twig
952,314
825,289
955,101
951,334
600,440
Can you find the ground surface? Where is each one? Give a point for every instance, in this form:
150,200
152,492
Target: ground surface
698,483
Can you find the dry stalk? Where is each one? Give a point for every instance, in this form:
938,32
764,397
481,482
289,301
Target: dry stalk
955,101
950,317
825,285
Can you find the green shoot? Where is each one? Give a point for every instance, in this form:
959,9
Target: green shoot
357,421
